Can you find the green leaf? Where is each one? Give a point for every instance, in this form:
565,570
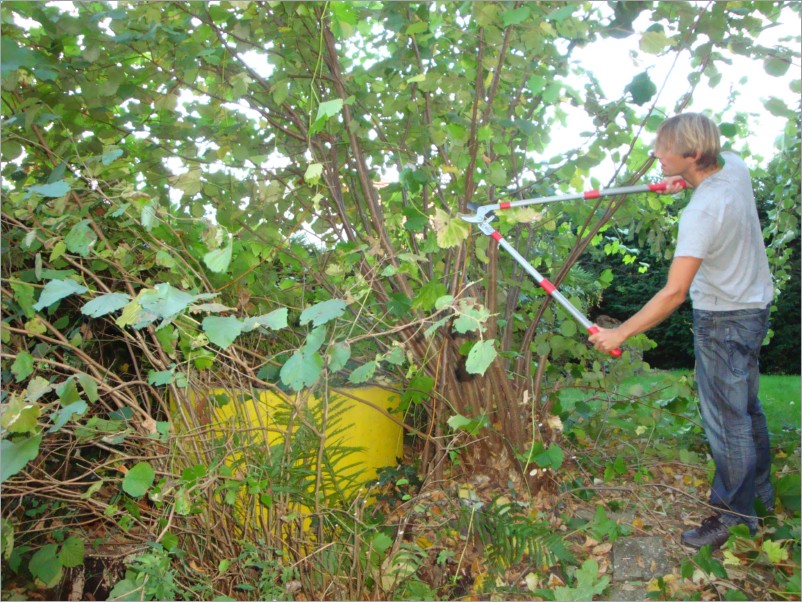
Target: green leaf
568,328
170,541
338,355
497,175
15,56
588,583
56,290
550,458
315,339
67,392
654,42
22,367
302,369
6,538
52,190
64,415
380,543
776,66
14,455
20,416
138,479
45,565
219,259
222,331
105,304
451,232
642,88
774,551
323,312
37,387
189,182
428,295
129,589
328,109
183,504
472,426
80,238
470,319
515,17
146,217
313,173
788,488
72,552
363,374
24,295
275,320
778,107
109,156
165,301
481,356
161,377
396,356
417,27
561,14
89,386
193,473
415,220
728,130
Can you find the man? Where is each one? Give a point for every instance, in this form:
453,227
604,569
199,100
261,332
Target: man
721,259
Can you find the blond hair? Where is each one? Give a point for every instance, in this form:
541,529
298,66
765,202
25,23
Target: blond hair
688,133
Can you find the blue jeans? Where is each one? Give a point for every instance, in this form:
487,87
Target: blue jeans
727,346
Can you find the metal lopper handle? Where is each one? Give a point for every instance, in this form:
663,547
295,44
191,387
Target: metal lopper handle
545,283
485,213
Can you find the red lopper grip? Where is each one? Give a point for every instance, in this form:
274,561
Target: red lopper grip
615,352
661,186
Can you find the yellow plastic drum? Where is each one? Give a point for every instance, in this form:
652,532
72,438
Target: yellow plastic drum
356,418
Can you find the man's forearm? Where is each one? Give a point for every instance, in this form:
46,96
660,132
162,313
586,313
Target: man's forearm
655,311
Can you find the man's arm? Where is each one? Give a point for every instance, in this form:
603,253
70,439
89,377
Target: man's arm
659,307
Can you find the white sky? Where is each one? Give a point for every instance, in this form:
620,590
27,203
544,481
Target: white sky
614,68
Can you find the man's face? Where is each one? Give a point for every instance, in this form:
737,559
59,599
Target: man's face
671,163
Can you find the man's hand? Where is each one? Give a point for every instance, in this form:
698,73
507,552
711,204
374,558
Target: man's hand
607,339
675,184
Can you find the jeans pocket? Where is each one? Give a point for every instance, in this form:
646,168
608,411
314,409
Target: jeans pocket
704,329
743,339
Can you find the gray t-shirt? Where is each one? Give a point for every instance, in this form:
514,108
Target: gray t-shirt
720,226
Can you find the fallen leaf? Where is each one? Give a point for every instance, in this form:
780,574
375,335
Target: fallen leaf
149,425
554,581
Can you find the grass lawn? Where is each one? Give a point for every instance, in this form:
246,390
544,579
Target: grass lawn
780,396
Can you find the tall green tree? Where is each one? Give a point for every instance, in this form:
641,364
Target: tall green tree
198,189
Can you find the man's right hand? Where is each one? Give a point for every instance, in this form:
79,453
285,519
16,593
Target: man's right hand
675,184
607,339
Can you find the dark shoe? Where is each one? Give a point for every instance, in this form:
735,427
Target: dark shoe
711,532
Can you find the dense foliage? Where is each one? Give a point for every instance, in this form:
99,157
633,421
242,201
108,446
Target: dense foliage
194,212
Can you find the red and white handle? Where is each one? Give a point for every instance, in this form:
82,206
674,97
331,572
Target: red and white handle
593,330
482,218
587,195
544,283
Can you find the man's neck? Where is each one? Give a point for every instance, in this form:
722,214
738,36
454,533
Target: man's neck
697,176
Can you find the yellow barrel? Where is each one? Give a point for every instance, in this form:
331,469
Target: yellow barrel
356,418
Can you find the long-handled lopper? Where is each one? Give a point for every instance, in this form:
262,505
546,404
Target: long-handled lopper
485,214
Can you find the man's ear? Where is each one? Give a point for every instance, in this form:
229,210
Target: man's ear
695,155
